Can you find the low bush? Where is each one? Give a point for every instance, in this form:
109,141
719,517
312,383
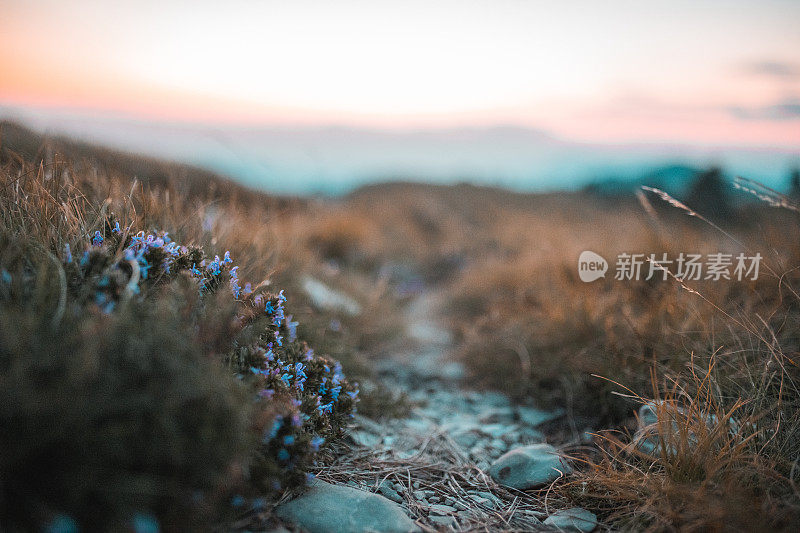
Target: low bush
140,380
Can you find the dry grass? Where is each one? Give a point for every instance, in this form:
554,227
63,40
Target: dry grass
527,325
273,239
438,465
523,320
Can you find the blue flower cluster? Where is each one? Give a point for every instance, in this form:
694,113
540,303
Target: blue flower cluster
316,398
122,263
307,398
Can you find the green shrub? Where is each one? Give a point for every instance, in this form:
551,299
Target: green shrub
136,374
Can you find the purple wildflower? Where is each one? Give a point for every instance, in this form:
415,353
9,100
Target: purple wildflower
234,282
259,504
292,327
266,393
273,432
316,442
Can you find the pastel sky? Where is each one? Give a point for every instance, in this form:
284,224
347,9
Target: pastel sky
706,72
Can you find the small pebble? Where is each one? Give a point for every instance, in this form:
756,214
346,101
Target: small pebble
444,521
441,509
576,520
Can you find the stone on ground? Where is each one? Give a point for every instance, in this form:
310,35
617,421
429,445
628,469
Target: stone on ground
327,508
528,467
575,519
535,417
364,438
444,521
323,297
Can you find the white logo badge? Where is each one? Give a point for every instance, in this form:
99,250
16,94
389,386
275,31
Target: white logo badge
591,266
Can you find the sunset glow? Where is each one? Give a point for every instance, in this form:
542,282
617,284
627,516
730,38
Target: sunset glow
678,71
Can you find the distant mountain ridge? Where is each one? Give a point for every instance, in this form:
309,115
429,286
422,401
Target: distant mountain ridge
674,179
334,160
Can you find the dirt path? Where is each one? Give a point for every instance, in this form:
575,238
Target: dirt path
434,462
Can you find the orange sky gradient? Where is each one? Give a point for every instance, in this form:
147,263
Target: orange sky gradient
622,73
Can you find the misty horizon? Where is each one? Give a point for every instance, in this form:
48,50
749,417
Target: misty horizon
336,159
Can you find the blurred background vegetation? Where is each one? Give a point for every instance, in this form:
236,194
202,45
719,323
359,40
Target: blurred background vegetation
504,266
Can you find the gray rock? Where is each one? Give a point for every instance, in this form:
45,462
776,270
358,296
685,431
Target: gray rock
418,425
497,430
493,398
575,519
498,444
648,437
486,499
530,435
648,415
535,417
526,520
529,466
496,415
466,439
444,521
323,297
441,509
390,493
491,497
478,450
327,508
481,501
653,433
